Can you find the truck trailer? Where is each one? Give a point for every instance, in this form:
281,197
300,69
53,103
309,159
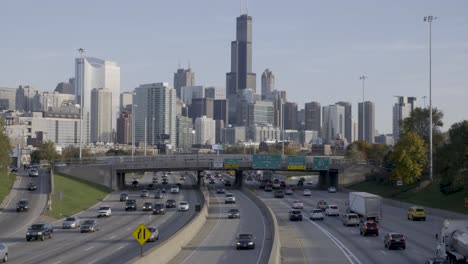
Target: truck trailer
368,206
452,242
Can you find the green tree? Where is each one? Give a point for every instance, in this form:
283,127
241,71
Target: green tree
358,150
5,148
410,157
72,152
45,151
418,122
378,152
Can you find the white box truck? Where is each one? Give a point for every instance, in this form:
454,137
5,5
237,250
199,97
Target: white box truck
367,205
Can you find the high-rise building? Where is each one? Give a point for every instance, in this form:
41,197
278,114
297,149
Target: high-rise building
201,107
301,119
219,126
155,105
184,128
401,110
124,128
368,127
64,88
217,93
348,115
54,100
268,83
188,93
91,73
205,131
312,116
355,131
384,139
220,110
7,98
290,115
260,133
260,113
126,101
333,122
233,135
101,123
28,99
183,77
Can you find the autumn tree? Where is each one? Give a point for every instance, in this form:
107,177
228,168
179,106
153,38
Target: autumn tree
45,151
418,122
409,157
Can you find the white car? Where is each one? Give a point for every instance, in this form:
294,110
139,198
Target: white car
297,205
183,206
104,211
331,189
34,173
307,192
350,219
316,214
3,252
71,222
175,190
332,210
230,198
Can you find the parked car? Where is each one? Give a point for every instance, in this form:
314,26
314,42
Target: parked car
104,211
147,206
130,205
295,215
416,213
170,203
350,219
279,194
32,186
154,234
297,205
144,193
332,210
123,197
71,222
220,190
394,240
307,192
230,198
39,231
331,189
3,252
316,214
245,241
368,227
183,206
233,213
89,226
322,205
159,208
22,205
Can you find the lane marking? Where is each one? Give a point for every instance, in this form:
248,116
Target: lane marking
119,248
302,248
112,237
94,261
57,262
383,252
89,248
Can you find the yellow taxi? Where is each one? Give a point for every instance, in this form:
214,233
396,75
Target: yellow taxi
416,213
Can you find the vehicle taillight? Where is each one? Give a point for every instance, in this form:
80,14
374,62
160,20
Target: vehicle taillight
365,228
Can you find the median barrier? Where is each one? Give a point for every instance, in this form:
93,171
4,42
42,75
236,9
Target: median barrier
170,247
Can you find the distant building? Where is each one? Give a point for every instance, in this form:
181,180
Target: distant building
124,128
201,107
219,126
28,99
188,93
220,110
307,137
7,98
385,139
290,115
126,101
64,88
348,117
260,133
183,77
260,113
401,110
216,93
333,122
101,115
233,135
268,83
205,131
368,127
312,116
301,119
56,100
184,130
292,136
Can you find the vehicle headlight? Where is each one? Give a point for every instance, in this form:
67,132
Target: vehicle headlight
28,233
250,243
39,233
238,243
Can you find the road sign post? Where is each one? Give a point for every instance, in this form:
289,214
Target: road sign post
141,234
296,163
266,162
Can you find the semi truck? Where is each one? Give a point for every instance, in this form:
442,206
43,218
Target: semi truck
452,242
368,206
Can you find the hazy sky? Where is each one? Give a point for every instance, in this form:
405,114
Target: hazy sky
316,49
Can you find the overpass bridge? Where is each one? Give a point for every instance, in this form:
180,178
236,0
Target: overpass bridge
111,171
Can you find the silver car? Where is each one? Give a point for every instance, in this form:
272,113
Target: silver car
3,252
154,234
71,222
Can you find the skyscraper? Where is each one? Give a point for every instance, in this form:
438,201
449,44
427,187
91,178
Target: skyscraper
101,123
312,116
201,107
268,83
205,131
348,116
126,99
64,88
333,122
369,121
401,110
290,115
184,128
124,128
7,98
183,77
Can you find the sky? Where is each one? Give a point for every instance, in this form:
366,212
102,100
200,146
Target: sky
317,50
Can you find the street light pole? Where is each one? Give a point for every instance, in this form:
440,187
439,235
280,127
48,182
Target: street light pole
282,127
429,20
81,51
145,133
133,127
152,135
363,78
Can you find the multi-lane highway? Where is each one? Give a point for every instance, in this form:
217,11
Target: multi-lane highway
113,243
216,242
329,241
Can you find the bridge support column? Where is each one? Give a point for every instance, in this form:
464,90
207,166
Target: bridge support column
238,180
120,180
323,180
200,181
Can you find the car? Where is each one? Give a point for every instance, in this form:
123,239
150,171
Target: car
39,231
212,181
158,195
416,213
175,190
154,234
295,215
135,184
288,192
3,252
32,186
276,185
437,260
279,194
170,203
368,227
292,187
34,173
331,189
130,205
322,205
104,211
163,190
316,214
154,180
306,192
282,184
233,213
229,198
179,185
123,197
60,164
268,188
144,194
71,222
297,205
350,219
151,186
183,206
90,225
300,183
245,241
302,179
165,181
394,240
332,210
227,183
147,206
220,190
159,208
22,205
182,178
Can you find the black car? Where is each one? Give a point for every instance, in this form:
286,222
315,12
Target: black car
171,203
394,240
151,186
159,208
295,215
268,188
22,205
147,206
283,184
179,185
32,186
279,194
135,184
89,226
130,205
158,195
155,180
227,183
233,213
165,181
123,197
245,241
39,231
212,181
368,227
220,190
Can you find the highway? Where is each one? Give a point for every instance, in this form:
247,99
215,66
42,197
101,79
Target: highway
329,241
216,242
114,243
11,222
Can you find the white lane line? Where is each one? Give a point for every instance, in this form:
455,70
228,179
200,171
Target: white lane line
383,252
57,262
94,261
119,248
88,248
348,254
112,237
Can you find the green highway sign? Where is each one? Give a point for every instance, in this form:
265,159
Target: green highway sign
271,162
296,163
321,163
231,163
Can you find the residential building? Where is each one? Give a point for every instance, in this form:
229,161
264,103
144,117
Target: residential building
290,115
183,77
101,119
7,98
366,126
205,131
312,116
333,126
268,83
401,110
348,115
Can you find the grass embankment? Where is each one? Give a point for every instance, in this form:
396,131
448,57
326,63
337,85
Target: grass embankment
429,196
78,195
6,182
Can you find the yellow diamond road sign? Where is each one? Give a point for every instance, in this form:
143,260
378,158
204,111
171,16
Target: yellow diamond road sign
141,234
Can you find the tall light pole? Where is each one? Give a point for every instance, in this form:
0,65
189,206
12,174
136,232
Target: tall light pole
133,127
145,133
152,134
282,126
429,20
363,79
81,51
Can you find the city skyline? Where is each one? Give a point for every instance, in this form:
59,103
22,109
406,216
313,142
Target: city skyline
393,55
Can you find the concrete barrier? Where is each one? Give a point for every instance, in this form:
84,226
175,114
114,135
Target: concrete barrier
169,248
271,223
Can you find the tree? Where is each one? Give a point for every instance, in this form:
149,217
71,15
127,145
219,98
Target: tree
72,152
378,152
5,148
418,122
410,157
358,150
44,151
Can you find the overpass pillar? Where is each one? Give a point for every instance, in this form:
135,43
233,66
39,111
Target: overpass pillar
200,181
120,180
238,180
323,179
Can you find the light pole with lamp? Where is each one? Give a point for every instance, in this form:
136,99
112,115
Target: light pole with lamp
133,127
363,78
152,135
145,133
81,51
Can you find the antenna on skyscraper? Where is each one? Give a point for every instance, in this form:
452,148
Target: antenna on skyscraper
247,7
240,7
189,64
178,64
